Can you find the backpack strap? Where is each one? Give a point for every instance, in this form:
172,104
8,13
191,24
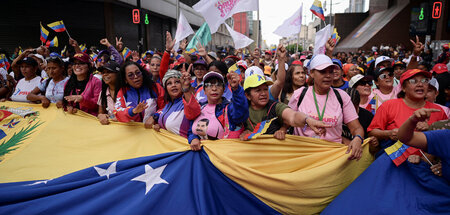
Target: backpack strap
302,95
339,98
270,108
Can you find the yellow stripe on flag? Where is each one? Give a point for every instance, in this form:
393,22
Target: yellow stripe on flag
391,149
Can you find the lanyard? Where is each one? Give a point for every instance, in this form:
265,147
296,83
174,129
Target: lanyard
317,105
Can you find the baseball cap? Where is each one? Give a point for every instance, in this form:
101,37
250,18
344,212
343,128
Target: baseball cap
200,62
383,58
242,63
358,77
303,57
297,62
399,63
411,73
171,73
29,61
440,68
83,57
253,70
210,75
268,70
255,80
337,62
380,70
445,46
212,54
320,62
111,66
268,52
433,82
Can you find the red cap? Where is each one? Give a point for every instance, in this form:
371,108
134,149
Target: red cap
297,62
440,68
268,52
411,73
83,57
445,46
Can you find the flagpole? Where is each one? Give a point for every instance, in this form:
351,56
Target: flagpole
257,35
178,11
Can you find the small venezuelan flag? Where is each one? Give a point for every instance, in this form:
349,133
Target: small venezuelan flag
317,9
20,50
44,34
260,129
53,43
399,152
63,51
190,51
94,56
335,36
126,52
83,48
57,26
4,62
235,69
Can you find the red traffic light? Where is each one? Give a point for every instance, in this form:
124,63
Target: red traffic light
136,17
437,10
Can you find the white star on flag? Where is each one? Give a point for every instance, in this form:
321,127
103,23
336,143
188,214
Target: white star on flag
39,182
111,170
151,177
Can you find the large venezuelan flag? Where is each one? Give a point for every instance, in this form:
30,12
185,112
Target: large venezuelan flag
53,163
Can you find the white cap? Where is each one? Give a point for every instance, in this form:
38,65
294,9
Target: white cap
40,57
357,78
253,70
213,54
286,66
320,62
383,58
433,82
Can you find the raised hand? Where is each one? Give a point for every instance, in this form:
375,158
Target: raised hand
330,45
201,50
233,79
169,42
73,42
119,44
422,114
281,53
418,46
105,42
186,77
183,44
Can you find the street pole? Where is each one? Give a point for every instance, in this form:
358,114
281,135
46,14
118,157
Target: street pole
331,10
178,12
139,46
257,36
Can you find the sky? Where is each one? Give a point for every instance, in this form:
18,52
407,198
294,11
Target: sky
274,12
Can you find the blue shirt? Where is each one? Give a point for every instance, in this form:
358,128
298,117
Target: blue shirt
438,142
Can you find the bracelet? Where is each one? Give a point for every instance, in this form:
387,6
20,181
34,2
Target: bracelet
359,136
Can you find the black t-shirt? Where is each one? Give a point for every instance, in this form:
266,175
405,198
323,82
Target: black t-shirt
365,118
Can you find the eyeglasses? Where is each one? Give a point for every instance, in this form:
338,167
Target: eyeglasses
132,75
385,76
155,64
423,81
207,85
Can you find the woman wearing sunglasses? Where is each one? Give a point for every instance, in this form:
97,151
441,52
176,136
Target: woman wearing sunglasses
393,113
51,90
363,84
385,90
138,96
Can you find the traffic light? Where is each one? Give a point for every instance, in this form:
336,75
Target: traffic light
136,16
437,10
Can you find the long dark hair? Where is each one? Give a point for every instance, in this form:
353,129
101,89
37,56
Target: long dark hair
71,83
103,93
288,86
147,79
222,68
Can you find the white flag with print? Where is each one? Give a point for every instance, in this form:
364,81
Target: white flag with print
292,25
216,12
240,40
322,37
183,30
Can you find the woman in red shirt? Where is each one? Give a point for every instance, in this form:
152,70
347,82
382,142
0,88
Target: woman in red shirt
393,113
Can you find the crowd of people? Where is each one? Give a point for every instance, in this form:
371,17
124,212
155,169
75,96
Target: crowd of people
339,97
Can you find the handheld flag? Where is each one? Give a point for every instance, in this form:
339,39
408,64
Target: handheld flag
63,51
317,9
20,50
203,36
216,12
126,52
260,129
335,36
190,51
322,37
53,43
44,34
399,152
240,40
234,68
94,57
4,62
57,26
183,30
83,48
292,25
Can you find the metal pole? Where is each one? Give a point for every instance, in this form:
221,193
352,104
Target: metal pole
331,10
139,46
178,12
257,36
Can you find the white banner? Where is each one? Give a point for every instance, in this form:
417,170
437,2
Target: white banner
322,37
216,12
292,25
183,30
240,40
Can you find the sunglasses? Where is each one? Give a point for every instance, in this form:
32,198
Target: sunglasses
364,83
132,75
207,85
385,76
423,81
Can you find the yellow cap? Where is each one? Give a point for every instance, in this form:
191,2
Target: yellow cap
255,80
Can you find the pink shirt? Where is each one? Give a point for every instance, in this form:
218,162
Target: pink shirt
381,98
333,115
